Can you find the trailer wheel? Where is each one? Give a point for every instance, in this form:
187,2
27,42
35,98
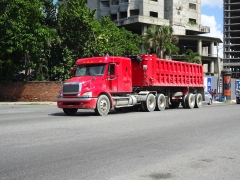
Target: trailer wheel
150,103
184,103
160,102
70,111
103,105
190,101
198,100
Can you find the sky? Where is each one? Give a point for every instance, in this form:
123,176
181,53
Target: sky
212,16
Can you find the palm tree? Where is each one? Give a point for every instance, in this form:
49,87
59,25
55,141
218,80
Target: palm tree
160,39
191,56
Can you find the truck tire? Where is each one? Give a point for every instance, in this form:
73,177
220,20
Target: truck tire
198,100
190,101
184,103
103,105
150,103
70,111
160,102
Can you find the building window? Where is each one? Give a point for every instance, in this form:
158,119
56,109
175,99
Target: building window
104,4
134,12
155,0
124,1
153,14
192,6
115,2
192,21
113,17
123,15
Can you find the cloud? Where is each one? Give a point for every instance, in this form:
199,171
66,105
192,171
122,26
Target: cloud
215,30
213,3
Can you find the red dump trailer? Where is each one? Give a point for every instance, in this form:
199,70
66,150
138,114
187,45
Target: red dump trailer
131,83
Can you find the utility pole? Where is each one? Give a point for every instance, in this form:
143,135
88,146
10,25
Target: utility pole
218,80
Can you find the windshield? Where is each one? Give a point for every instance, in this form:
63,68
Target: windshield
90,70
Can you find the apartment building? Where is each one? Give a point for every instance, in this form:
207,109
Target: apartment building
231,39
184,16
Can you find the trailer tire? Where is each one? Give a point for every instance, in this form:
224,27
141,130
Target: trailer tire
70,111
190,101
198,100
184,103
160,102
103,105
150,103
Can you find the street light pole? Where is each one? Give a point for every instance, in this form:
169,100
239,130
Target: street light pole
218,81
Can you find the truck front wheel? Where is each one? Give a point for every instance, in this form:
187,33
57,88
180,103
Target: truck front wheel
103,105
70,111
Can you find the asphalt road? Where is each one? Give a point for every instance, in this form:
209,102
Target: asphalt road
39,142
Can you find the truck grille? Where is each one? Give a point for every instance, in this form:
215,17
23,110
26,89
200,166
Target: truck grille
71,88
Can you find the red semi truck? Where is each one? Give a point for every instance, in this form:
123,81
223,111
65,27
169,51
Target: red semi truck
129,83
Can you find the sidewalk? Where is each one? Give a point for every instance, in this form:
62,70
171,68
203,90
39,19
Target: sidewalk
230,102
29,103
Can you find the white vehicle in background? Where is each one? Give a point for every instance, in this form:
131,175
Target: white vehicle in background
208,98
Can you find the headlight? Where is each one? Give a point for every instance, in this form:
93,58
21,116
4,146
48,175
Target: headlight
87,94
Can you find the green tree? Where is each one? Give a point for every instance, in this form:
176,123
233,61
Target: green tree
45,70
75,24
43,40
191,56
22,36
160,39
109,39
82,35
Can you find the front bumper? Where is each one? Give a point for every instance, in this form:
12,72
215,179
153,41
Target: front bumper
78,103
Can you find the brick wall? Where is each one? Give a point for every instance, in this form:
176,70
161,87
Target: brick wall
30,91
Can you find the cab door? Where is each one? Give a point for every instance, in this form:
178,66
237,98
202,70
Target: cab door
112,78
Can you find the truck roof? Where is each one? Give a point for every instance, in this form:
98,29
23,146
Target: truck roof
100,60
